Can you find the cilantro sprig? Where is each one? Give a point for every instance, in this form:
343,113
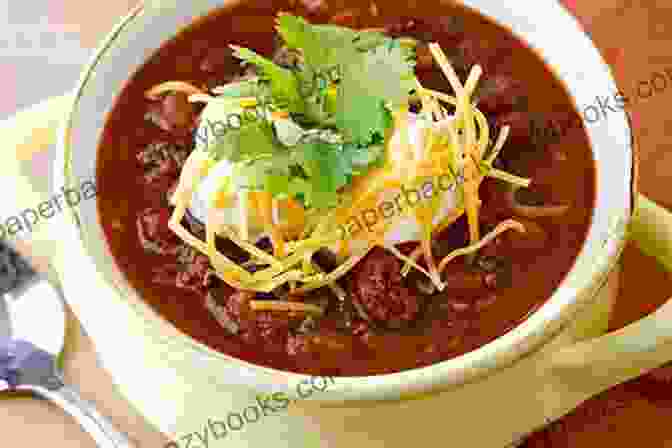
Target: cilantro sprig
347,81
325,46
252,138
284,84
371,82
374,72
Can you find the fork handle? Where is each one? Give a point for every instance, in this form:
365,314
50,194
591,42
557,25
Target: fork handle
99,427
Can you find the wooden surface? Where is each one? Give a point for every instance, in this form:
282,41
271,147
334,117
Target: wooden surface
634,40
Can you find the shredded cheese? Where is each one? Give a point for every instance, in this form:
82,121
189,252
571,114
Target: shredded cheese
281,305
503,226
337,273
172,86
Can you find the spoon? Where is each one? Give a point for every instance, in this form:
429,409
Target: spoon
32,333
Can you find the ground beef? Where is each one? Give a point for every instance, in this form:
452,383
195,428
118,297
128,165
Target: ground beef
235,302
487,53
221,315
495,264
265,329
173,113
271,327
244,72
325,259
161,163
287,58
484,302
192,224
155,153
447,29
424,58
522,127
315,7
196,266
192,271
165,274
463,281
452,238
223,307
154,234
554,127
377,285
328,347
298,345
499,93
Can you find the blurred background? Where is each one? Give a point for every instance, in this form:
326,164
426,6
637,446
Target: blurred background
43,45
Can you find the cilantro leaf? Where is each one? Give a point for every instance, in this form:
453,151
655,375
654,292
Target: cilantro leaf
390,70
239,89
283,83
254,138
299,189
263,174
325,46
327,167
277,185
358,115
384,75
326,49
363,158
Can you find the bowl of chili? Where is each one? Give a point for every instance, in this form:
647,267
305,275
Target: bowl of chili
495,304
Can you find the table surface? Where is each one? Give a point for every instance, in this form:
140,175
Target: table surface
634,41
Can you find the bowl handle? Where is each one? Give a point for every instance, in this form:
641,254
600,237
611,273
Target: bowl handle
597,364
